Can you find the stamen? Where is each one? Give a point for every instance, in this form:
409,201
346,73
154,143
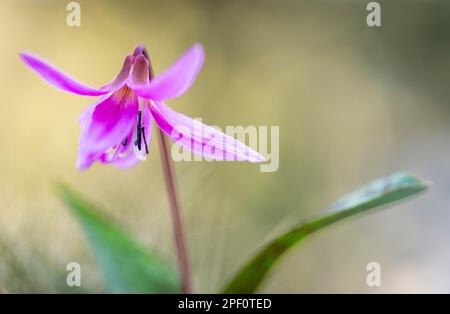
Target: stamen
139,130
140,135
125,142
145,141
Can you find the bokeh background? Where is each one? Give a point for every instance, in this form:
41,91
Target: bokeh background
353,103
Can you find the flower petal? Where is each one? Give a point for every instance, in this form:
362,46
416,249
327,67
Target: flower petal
177,79
200,138
123,156
127,161
140,72
85,117
128,157
122,77
63,81
106,125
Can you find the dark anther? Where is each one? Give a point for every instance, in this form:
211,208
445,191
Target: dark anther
139,130
145,141
125,142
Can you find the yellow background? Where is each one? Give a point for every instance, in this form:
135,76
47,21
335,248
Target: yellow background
353,103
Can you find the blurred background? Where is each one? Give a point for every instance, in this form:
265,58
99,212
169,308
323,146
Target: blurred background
352,102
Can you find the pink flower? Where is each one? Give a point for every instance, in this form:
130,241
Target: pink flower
117,128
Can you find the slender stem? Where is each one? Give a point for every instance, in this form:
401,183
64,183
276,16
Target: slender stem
175,208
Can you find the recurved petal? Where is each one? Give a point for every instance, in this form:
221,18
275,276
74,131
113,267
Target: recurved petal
200,138
57,78
177,79
140,72
122,77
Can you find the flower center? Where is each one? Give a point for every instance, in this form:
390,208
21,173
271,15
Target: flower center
124,96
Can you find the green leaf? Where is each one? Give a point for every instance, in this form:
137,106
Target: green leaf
127,267
380,192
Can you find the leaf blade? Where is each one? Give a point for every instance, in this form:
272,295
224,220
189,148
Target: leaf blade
376,194
126,265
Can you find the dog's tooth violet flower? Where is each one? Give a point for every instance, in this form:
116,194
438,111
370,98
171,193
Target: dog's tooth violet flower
118,127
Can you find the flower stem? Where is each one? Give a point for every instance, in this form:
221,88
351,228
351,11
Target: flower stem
175,208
